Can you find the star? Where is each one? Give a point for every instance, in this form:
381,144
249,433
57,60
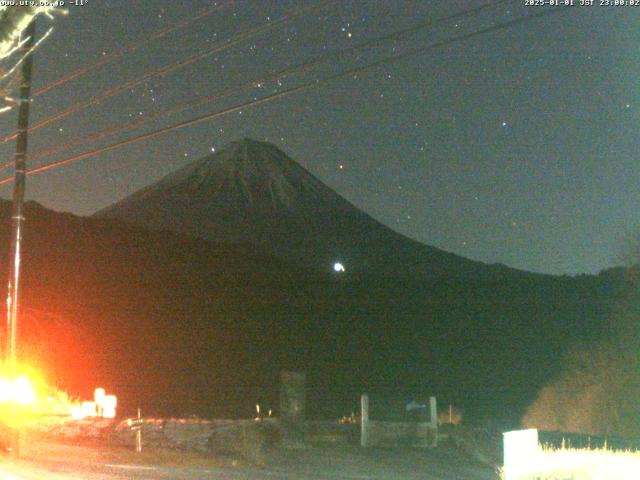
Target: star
462,129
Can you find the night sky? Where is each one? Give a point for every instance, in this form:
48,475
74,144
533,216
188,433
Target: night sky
516,146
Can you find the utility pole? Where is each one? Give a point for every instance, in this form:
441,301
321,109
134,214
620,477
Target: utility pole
17,216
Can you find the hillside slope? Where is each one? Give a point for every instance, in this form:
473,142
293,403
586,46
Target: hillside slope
179,325
253,192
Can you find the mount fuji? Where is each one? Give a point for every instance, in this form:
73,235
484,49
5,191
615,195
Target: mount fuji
252,192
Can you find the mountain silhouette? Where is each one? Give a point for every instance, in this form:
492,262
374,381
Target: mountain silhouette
177,323
252,192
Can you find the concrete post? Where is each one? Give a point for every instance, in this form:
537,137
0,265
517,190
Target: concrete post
433,409
520,452
292,408
364,420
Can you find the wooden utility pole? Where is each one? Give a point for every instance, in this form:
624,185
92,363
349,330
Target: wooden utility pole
17,215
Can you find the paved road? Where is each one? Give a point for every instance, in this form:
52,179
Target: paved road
133,472
141,472
23,471
308,464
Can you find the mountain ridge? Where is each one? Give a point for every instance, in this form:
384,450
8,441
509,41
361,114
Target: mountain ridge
179,325
252,192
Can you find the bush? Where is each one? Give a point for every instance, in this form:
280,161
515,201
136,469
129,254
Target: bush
596,393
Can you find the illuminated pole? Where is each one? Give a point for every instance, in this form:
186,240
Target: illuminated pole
17,216
139,433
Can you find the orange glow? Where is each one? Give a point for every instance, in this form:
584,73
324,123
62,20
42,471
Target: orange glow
23,392
19,399
109,404
25,398
76,412
89,409
98,395
20,391
6,389
103,406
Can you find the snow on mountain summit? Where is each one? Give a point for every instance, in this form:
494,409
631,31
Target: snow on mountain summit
246,174
252,192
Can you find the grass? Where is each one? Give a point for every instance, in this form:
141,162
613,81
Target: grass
581,464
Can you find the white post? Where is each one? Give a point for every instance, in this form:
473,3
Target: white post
520,451
364,420
434,410
139,434
433,407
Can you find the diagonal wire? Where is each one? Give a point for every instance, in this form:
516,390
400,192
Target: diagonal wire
165,70
131,48
274,76
290,91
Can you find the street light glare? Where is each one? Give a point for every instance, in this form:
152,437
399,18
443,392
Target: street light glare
19,390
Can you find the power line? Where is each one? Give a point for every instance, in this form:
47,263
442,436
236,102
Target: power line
290,91
165,70
130,48
272,77
430,23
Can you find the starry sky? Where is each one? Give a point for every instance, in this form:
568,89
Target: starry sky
516,146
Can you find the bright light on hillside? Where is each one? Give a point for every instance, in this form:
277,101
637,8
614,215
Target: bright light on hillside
338,267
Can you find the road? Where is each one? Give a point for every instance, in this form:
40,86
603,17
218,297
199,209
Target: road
307,464
22,471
